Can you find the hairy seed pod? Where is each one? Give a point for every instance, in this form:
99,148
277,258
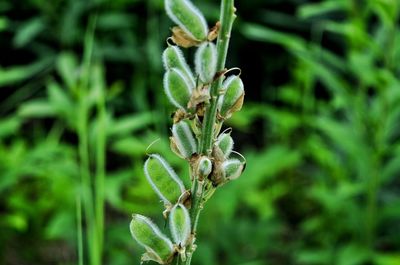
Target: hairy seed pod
188,18
206,62
173,58
204,167
177,88
163,179
232,168
184,139
159,248
225,143
179,223
232,100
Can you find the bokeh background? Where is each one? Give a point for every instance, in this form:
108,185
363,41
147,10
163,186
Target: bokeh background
81,95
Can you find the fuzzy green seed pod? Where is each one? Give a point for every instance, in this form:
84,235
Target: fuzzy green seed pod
184,139
204,167
179,223
163,179
232,168
232,100
188,18
159,248
177,88
173,58
225,143
206,62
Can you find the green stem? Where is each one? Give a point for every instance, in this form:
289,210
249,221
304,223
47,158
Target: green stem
227,16
87,193
100,169
79,226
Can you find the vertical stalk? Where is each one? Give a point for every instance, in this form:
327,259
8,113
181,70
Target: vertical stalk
100,168
227,16
88,195
79,228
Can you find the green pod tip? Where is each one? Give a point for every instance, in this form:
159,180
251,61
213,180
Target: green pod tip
232,168
173,58
232,100
204,167
225,143
188,17
179,222
159,248
184,139
177,88
206,62
163,179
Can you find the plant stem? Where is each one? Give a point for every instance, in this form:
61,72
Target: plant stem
227,16
79,226
88,195
100,166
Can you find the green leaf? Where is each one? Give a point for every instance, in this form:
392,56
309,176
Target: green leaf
37,109
16,74
129,146
132,123
62,103
319,9
387,258
353,254
261,33
28,31
9,126
67,67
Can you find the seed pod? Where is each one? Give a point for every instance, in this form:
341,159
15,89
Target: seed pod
232,100
179,223
206,62
204,167
177,88
163,179
184,139
188,18
225,143
232,168
159,248
173,58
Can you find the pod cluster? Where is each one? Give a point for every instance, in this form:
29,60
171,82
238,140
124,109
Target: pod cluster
188,90
171,191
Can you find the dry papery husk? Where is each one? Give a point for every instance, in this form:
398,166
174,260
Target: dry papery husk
182,39
217,175
213,34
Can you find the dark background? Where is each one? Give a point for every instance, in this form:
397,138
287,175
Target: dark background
319,128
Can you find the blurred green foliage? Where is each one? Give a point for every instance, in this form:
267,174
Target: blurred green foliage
320,129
